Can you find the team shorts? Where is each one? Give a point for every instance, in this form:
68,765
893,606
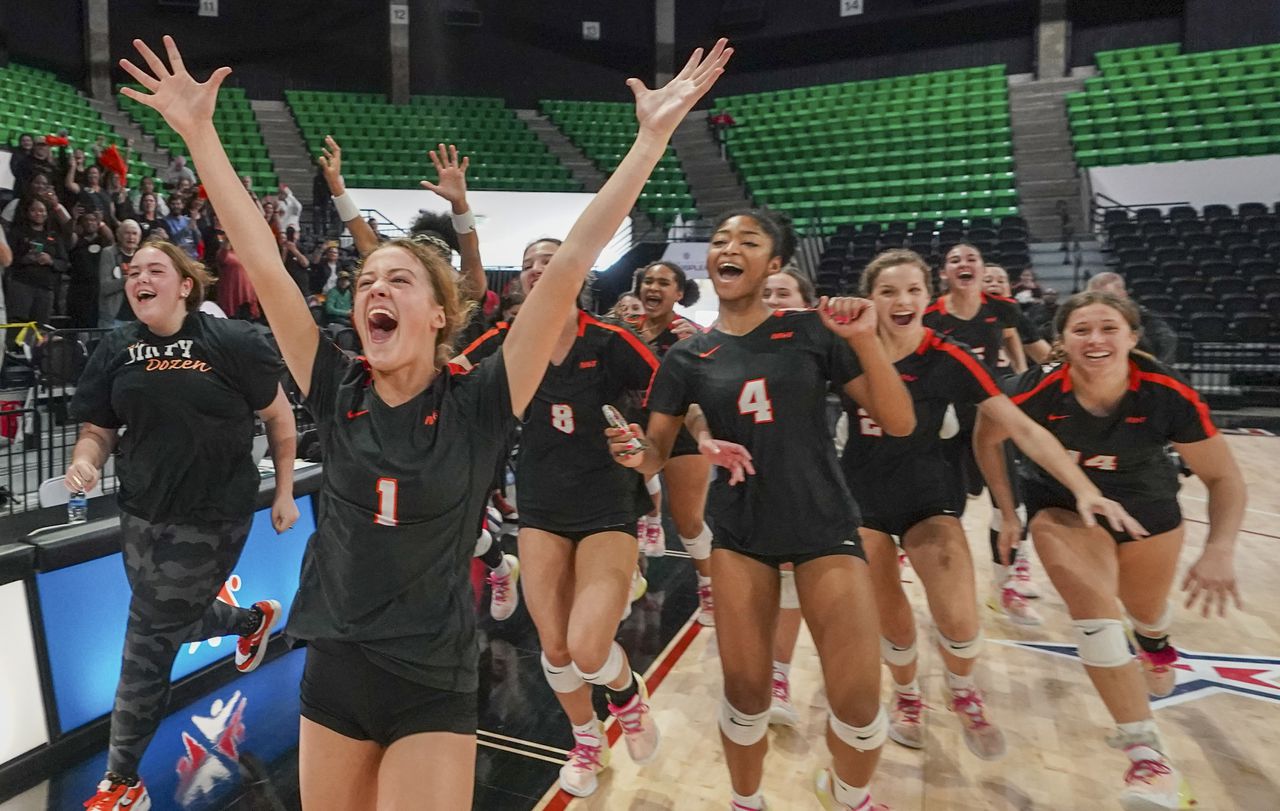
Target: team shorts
894,500
851,547
685,444
578,535
897,523
344,691
1157,517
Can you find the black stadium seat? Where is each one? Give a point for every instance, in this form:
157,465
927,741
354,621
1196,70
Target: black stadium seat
1181,286
1142,270
1180,268
1252,209
1235,303
1182,213
1265,286
1196,303
1252,326
1117,215
1145,288
1243,253
1159,304
1258,267
1148,215
1209,326
1216,211
1228,286
1163,255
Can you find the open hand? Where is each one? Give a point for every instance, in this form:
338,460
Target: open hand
661,111
451,175
185,104
1091,505
729,455
1212,580
330,162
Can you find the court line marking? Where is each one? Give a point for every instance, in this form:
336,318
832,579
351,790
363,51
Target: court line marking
1205,500
1243,531
523,742
514,751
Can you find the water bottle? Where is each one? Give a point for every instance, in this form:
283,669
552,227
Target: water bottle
77,508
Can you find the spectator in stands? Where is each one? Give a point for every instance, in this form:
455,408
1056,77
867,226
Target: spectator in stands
178,170
509,305
91,196
720,124
146,186
373,226
247,182
321,202
337,302
21,154
1157,337
203,220
91,238
113,268
39,163
40,188
1028,288
40,258
71,169
1042,313
295,261
179,228
289,207
6,258
149,217
236,295
271,213
325,269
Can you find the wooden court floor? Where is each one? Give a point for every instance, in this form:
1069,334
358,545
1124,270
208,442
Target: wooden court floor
1222,725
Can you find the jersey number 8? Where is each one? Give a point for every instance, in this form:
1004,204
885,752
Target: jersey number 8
754,400
562,417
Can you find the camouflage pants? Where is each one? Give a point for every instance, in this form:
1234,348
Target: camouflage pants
175,572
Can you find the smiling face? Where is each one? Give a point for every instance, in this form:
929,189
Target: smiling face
741,258
536,258
995,281
901,296
92,176
37,213
157,292
963,268
782,292
629,308
660,291
148,202
395,311
1098,337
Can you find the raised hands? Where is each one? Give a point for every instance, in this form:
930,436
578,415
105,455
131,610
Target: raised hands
330,161
850,318
185,104
451,175
660,111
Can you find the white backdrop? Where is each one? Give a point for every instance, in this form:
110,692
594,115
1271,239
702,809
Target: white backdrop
6,177
506,220
1220,180
21,704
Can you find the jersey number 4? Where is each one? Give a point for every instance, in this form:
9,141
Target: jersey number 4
562,417
754,400
388,503
1101,461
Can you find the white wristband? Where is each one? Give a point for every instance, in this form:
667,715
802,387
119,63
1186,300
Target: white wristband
464,223
347,208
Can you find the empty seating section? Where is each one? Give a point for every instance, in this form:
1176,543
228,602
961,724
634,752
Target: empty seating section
237,126
35,101
931,146
385,145
1154,104
604,131
1214,274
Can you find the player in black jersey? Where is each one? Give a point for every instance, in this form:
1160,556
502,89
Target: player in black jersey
995,283
578,514
788,289
905,489
986,325
410,446
661,286
1116,410
760,378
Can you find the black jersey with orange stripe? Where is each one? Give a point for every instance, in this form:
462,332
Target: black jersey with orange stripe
566,479
939,372
984,333
767,390
1123,452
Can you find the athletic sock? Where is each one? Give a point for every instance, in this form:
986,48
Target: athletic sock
749,801
911,688
1146,735
619,696
703,581
1151,644
958,682
852,796
783,668
493,557
588,733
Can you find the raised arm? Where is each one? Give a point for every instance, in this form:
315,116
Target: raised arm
187,107
879,389
331,165
451,184
533,336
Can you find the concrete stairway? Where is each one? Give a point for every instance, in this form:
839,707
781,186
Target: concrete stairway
123,126
1045,165
1057,269
715,186
287,151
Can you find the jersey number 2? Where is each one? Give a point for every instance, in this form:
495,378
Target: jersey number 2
387,503
562,417
867,425
754,400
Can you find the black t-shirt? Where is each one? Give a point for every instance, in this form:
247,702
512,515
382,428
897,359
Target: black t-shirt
939,372
983,333
766,391
187,401
389,564
1122,453
565,476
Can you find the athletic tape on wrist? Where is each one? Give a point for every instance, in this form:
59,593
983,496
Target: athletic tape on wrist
347,208
463,223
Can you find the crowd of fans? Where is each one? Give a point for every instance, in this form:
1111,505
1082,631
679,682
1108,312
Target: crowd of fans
73,224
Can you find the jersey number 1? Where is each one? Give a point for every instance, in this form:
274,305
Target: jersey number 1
754,400
387,503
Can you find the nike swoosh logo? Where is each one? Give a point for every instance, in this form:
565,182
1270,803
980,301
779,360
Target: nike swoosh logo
710,351
1095,631
351,415
736,722
855,543
1056,417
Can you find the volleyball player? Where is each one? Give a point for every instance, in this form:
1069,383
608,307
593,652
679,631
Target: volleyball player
788,289
906,491
1115,410
995,282
649,533
986,325
661,286
578,514
760,378
410,446
185,386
